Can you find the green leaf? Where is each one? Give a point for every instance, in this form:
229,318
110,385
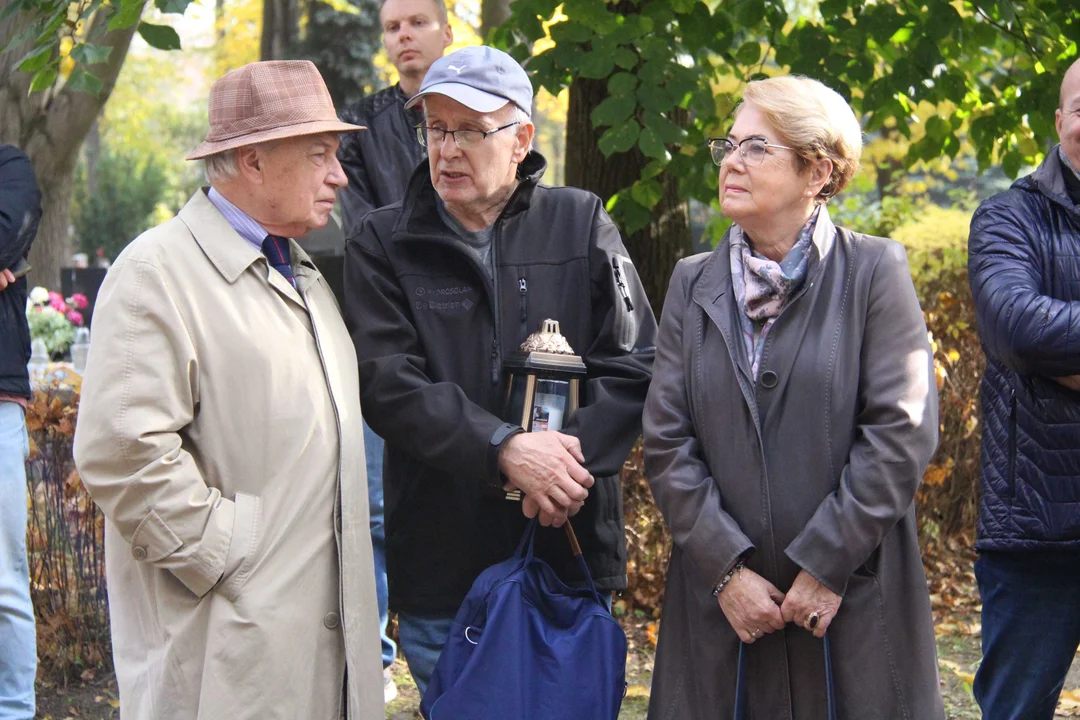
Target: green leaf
625,58
44,78
614,110
937,127
83,81
748,13
571,32
667,131
1011,163
655,167
87,54
172,6
128,15
161,37
654,98
632,216
595,65
902,35
622,83
748,53
651,145
647,193
35,59
619,138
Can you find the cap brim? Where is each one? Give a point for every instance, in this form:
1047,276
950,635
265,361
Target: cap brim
467,95
309,128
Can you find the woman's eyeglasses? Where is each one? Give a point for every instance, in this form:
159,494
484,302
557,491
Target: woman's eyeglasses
752,149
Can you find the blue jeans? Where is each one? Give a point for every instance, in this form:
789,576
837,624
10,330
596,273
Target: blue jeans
18,646
373,448
1030,631
422,638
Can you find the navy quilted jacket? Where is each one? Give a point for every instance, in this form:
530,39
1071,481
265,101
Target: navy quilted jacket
1024,266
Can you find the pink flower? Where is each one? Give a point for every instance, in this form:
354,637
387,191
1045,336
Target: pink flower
79,301
56,302
75,317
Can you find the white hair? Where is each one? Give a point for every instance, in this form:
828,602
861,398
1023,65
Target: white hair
221,167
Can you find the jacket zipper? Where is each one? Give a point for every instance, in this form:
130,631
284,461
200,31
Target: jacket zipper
496,369
523,291
1012,438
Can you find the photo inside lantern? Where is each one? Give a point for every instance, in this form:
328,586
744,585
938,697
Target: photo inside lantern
549,408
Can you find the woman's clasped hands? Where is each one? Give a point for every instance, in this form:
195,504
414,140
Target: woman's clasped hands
755,607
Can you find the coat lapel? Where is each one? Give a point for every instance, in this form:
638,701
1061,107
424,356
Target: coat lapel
714,294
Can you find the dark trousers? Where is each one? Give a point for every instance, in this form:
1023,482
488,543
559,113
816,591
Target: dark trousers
1030,631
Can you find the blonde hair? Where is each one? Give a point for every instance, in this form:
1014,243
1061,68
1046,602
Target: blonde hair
814,120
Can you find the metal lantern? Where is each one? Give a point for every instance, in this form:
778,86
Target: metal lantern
544,387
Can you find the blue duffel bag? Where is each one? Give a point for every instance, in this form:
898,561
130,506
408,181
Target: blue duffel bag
525,645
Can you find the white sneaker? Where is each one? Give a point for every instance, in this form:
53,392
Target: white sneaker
389,688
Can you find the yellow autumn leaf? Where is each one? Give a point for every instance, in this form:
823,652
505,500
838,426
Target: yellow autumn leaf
953,356
66,43
637,691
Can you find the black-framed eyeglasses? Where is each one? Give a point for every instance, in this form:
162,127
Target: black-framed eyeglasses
752,149
464,139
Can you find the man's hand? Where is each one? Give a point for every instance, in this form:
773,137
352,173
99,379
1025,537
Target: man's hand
1070,381
751,605
808,596
547,467
6,278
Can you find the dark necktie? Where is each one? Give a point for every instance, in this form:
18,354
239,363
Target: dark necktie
276,250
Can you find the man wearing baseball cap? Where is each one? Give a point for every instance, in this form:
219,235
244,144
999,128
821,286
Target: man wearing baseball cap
438,289
220,433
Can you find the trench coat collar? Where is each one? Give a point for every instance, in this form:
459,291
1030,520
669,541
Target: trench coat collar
232,254
716,295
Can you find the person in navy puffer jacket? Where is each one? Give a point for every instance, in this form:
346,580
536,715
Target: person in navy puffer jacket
1024,266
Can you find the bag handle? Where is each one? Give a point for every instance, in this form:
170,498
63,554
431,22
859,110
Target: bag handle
740,683
525,551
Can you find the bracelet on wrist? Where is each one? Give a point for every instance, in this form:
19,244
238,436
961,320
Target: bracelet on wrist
727,578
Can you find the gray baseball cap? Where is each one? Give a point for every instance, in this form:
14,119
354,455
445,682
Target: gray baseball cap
480,78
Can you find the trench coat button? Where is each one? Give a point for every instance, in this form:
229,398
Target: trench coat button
139,552
331,620
768,379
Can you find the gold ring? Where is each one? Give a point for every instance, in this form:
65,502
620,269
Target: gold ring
812,621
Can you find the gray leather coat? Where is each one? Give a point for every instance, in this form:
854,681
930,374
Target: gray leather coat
814,465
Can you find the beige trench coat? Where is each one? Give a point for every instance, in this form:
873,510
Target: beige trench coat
220,434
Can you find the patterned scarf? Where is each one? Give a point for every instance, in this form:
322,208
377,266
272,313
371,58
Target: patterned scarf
763,287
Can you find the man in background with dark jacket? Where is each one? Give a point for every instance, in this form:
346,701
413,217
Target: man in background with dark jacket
438,289
20,212
1024,265
416,33
378,165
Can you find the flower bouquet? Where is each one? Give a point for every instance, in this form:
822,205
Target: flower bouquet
53,318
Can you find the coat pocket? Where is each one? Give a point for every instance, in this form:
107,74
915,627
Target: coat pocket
247,531
864,666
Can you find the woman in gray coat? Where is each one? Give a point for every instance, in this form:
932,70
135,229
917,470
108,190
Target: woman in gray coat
791,415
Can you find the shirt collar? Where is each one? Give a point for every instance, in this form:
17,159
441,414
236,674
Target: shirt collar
244,225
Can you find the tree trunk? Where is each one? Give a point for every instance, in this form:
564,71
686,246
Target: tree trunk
493,13
280,30
50,127
655,249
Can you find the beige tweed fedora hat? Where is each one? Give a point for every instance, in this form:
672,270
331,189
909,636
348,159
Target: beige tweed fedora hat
268,101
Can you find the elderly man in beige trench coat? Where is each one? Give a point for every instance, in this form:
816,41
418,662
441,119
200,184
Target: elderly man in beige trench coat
220,434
